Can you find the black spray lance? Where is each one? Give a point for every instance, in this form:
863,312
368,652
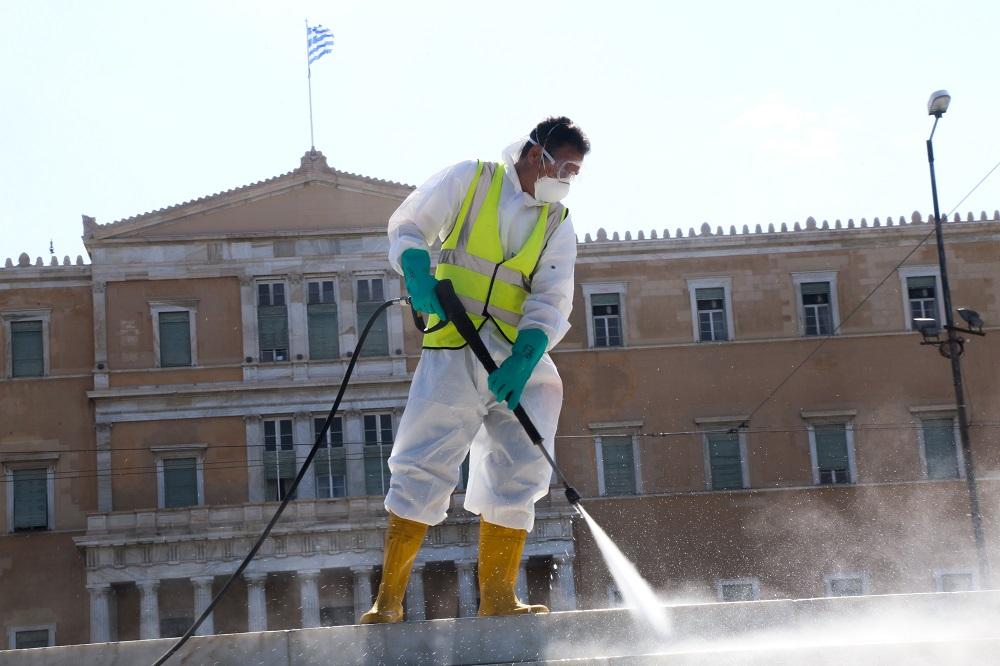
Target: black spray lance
455,313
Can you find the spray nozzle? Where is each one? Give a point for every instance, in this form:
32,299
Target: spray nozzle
572,495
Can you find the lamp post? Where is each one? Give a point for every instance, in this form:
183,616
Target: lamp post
937,105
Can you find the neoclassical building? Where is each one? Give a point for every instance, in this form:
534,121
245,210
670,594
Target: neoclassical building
749,415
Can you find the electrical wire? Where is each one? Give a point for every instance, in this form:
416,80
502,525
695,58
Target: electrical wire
289,494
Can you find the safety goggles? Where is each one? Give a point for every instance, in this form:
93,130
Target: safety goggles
564,169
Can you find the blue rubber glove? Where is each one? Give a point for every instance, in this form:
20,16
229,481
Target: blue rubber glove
509,379
416,264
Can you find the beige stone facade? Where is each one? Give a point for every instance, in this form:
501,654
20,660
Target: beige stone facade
748,415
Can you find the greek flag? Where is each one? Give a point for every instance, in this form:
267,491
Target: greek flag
318,41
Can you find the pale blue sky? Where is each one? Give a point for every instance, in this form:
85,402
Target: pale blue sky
729,113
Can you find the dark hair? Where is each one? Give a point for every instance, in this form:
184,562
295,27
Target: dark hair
556,132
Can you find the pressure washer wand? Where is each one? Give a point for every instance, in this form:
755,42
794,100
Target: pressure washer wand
455,313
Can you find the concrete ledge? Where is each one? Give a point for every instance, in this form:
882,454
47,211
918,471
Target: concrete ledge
912,629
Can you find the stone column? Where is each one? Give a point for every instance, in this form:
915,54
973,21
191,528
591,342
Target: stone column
309,586
466,588
256,601
304,438
100,612
202,598
347,314
354,451
104,467
521,588
101,369
248,314
565,587
256,486
362,590
416,604
149,609
298,341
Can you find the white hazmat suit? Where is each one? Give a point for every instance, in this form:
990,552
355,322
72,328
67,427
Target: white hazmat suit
450,407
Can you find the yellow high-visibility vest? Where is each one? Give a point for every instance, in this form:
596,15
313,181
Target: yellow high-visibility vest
472,258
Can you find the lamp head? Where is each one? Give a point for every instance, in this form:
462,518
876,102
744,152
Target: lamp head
971,317
928,327
938,103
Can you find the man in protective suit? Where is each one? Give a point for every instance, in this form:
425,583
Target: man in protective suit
509,248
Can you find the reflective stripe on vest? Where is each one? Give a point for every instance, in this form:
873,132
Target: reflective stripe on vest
472,258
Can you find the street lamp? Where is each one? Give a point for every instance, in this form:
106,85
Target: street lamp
937,105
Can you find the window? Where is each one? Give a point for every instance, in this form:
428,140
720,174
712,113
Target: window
279,458
831,447
378,446
180,475
956,580
939,449
816,295
371,294
617,471
272,321
174,340
605,314
725,459
324,329
31,499
846,585
329,463
740,589
175,627
30,492
921,286
711,309
26,343
25,638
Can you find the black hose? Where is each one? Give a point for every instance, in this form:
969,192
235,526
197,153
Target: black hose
289,494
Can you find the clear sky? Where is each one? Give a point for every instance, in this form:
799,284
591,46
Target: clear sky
726,112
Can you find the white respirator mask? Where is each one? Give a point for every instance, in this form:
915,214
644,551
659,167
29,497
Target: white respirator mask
549,190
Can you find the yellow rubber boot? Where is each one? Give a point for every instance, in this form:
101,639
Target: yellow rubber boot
499,561
402,541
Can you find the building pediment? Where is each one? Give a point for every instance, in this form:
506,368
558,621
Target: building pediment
310,199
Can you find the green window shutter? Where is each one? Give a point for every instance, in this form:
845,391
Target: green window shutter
324,331
810,288
175,339
180,482
27,349
31,638
31,499
724,461
603,299
376,469
377,342
272,322
710,294
619,465
831,452
921,282
331,472
279,465
939,449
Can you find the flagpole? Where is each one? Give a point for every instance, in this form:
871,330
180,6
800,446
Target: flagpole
312,140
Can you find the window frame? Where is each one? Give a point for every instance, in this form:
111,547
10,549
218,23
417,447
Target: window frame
713,424
721,584
382,454
320,279
939,575
938,413
47,461
619,288
329,447
161,453
356,280
845,418
726,284
38,314
278,450
156,308
286,305
829,578
830,277
13,631
623,429
906,272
